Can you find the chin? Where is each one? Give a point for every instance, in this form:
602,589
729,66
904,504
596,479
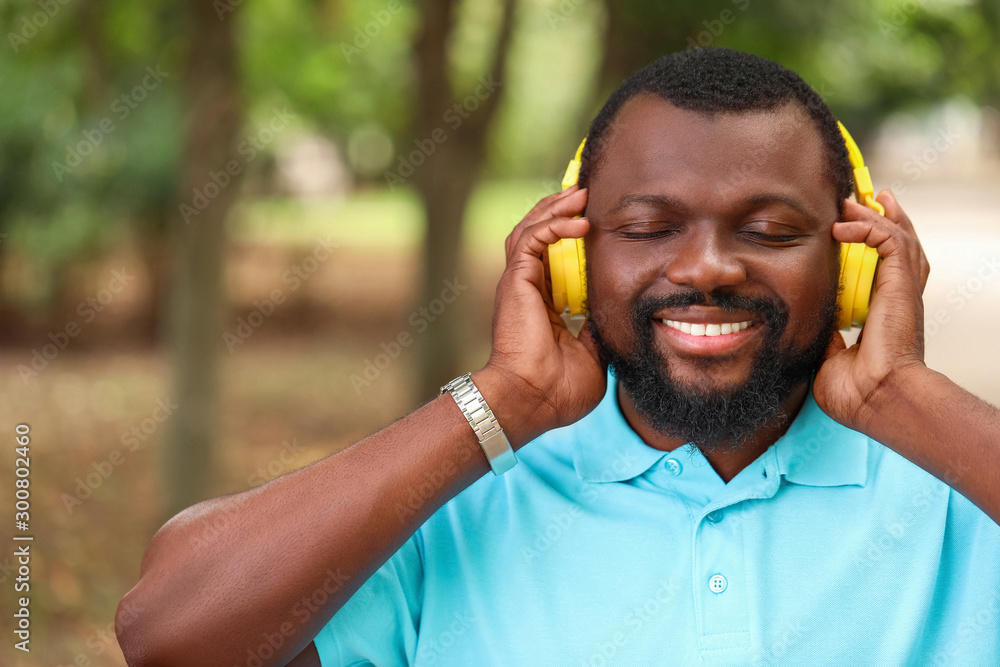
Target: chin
708,377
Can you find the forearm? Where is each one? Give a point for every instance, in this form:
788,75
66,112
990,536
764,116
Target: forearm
944,429
227,573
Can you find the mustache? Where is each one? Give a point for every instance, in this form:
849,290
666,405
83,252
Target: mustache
774,312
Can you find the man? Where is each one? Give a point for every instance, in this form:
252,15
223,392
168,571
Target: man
715,500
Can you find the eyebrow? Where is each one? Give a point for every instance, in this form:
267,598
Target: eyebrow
774,198
659,201
666,201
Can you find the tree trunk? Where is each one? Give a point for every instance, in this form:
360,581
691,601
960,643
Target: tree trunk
446,181
194,316
637,33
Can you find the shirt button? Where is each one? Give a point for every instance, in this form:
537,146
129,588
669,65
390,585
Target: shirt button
674,466
717,583
714,516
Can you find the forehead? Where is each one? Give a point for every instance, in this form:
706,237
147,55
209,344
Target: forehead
653,145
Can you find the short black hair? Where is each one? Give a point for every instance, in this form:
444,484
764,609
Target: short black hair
716,80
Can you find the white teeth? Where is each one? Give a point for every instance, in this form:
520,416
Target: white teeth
707,329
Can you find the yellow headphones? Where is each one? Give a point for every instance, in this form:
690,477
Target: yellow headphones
858,262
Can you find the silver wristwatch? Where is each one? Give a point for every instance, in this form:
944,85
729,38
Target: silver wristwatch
481,419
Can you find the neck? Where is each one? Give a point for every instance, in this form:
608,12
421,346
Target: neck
727,461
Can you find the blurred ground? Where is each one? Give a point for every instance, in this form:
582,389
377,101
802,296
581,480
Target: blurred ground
288,398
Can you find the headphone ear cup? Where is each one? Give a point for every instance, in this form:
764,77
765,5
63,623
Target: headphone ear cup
870,263
567,269
858,269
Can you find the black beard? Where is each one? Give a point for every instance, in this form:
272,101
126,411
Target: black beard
725,419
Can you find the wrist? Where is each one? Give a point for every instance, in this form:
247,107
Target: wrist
894,395
512,405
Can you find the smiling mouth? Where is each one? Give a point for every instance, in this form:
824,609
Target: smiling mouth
697,329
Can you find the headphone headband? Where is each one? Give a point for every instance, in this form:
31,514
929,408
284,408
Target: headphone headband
863,188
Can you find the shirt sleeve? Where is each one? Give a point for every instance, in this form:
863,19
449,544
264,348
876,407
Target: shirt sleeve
378,625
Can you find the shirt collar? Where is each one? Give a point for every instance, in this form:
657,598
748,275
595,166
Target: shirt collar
607,449
814,451
818,451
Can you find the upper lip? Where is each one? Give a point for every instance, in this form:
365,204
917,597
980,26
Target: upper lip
704,315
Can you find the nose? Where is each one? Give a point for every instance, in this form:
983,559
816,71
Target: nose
705,262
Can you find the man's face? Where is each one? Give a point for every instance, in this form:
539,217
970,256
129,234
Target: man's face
719,225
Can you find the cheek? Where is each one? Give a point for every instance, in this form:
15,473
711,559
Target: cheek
612,288
807,289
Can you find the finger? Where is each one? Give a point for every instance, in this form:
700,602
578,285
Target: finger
894,217
854,211
887,239
568,203
525,258
855,214
873,233
895,212
536,212
901,268
538,237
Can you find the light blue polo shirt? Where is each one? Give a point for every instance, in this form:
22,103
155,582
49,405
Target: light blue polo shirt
596,549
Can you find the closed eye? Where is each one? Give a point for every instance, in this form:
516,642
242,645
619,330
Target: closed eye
639,236
771,238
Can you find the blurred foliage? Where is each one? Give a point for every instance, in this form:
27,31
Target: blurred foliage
345,69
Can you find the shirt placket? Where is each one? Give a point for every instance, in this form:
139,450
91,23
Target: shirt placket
719,580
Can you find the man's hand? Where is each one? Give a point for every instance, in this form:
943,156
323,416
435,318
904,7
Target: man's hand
880,385
558,378
847,384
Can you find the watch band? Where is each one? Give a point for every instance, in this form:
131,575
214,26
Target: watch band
491,437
